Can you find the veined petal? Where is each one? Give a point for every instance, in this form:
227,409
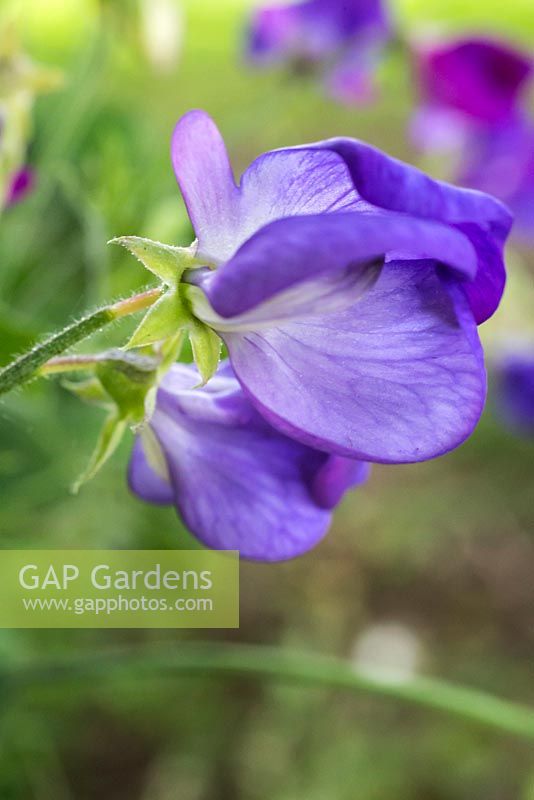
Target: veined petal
242,489
205,177
276,185
390,184
291,183
324,294
397,378
236,481
329,178
290,251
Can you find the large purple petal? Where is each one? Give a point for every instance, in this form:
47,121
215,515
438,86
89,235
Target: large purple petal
275,185
204,173
293,182
242,489
397,378
237,482
325,178
390,184
326,293
290,251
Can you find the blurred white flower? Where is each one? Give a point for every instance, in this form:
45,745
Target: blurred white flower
162,29
388,651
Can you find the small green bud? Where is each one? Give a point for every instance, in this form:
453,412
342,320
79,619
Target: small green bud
125,383
128,378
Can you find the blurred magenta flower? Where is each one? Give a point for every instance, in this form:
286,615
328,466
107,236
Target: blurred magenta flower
479,79
515,391
237,483
347,287
343,37
472,104
20,186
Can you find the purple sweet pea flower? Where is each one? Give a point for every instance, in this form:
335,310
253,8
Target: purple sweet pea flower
344,35
515,391
237,483
347,287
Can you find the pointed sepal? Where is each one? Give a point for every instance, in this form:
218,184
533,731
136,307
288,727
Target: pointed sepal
168,263
169,351
206,347
154,453
109,439
161,321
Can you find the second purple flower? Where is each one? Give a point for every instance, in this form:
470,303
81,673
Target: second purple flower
341,38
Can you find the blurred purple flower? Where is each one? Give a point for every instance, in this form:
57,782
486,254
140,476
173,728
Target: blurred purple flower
347,287
515,391
343,36
237,483
21,185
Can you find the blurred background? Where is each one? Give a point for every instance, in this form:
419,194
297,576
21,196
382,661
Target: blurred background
429,567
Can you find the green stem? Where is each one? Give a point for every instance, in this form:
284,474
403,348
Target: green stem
24,368
284,666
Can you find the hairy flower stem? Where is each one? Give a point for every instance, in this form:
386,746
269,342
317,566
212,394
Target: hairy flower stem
27,366
264,663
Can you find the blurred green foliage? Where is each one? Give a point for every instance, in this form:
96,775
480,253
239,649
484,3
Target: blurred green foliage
445,549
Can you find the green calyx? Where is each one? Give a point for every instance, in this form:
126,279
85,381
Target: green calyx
172,313
125,382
